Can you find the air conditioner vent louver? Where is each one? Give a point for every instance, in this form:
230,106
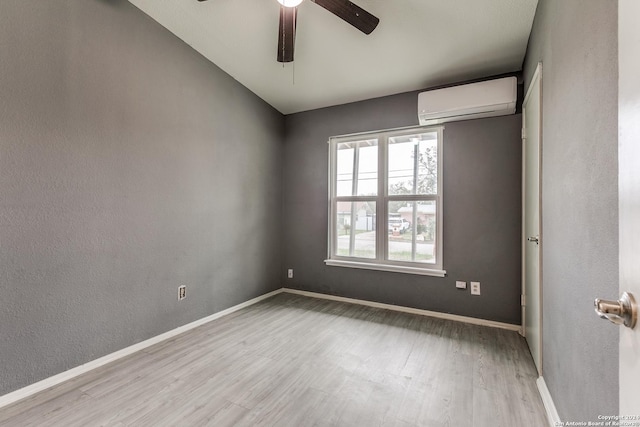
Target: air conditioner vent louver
472,101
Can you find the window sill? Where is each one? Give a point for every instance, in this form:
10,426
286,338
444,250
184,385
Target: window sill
386,267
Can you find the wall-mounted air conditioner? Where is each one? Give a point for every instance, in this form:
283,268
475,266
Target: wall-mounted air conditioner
471,101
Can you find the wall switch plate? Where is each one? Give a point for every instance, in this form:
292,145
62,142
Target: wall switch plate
290,273
461,285
475,288
182,292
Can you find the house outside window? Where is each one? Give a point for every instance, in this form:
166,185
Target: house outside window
385,201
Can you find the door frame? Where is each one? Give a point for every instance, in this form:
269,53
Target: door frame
628,208
537,75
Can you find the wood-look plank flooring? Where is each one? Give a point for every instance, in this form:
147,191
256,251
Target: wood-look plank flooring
298,361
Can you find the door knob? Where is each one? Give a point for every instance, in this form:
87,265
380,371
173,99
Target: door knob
621,312
533,239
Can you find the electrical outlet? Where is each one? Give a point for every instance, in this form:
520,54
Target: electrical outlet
290,273
182,292
461,285
475,288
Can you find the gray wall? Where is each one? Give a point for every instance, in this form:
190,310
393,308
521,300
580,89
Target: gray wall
482,209
129,165
577,42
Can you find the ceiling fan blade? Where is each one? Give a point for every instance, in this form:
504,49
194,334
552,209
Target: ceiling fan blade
287,33
351,13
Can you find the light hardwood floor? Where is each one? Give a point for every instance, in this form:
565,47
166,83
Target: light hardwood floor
299,361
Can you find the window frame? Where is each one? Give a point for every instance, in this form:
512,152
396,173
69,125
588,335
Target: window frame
382,199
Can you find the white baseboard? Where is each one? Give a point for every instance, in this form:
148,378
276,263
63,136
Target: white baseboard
455,317
549,406
42,385
34,388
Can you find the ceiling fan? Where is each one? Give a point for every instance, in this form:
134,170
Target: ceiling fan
343,9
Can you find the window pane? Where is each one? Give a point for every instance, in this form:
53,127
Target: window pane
355,229
428,164
412,231
400,167
413,164
368,169
361,158
344,167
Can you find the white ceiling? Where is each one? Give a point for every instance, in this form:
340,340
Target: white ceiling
418,44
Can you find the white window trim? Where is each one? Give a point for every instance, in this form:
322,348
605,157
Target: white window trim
386,267
380,263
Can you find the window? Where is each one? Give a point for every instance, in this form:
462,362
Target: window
385,210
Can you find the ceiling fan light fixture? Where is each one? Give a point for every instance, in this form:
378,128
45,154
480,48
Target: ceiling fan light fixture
290,3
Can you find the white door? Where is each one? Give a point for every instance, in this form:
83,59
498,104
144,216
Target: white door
629,195
532,304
